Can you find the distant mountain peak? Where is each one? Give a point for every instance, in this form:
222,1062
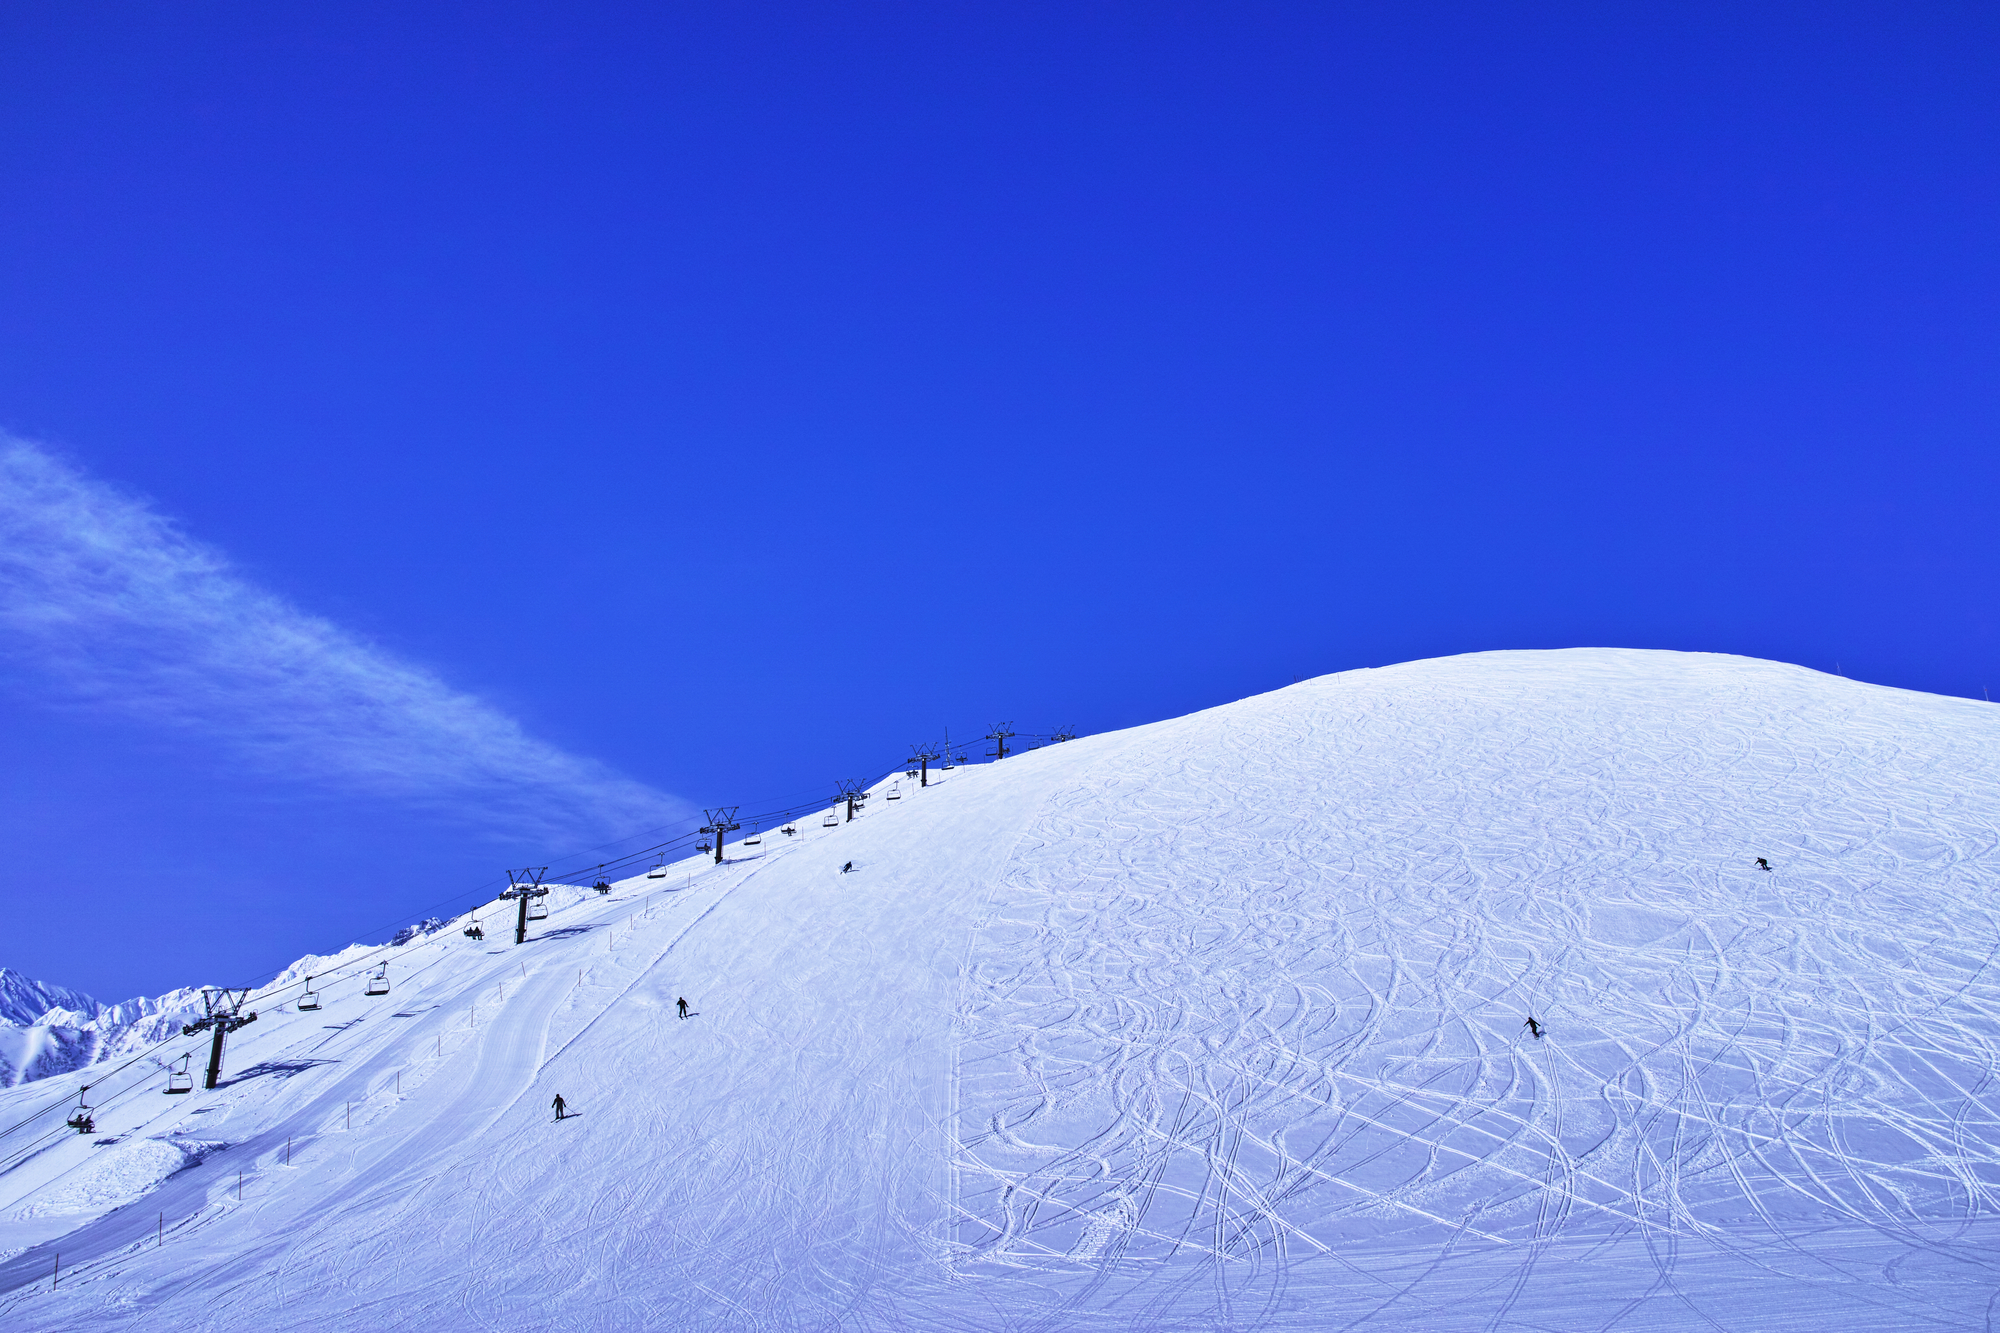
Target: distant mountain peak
23,1000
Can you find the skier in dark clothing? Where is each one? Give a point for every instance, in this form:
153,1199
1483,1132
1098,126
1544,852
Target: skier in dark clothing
1533,1027
849,866
559,1106
1762,864
684,1006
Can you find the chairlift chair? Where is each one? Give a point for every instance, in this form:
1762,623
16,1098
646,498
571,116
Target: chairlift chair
657,872
310,1000
473,931
179,1080
379,983
896,791
81,1119
789,829
538,908
602,886
832,820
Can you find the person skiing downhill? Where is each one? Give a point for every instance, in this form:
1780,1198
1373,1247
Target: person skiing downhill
684,1006
1762,864
1533,1027
559,1106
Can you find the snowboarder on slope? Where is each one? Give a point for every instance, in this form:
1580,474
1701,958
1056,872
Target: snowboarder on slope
559,1106
1762,864
684,1006
1533,1027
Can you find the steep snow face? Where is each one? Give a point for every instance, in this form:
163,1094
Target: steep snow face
1219,1022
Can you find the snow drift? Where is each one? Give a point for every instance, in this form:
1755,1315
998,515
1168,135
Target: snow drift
1214,1023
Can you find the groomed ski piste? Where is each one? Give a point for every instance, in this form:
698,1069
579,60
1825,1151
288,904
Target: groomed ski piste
1217,1023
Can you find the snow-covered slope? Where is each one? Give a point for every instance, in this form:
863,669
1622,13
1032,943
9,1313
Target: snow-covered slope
1214,1023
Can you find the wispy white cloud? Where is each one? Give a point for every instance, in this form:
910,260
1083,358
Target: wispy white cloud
110,603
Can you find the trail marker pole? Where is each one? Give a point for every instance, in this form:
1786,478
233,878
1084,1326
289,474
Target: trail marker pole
57,1277
720,822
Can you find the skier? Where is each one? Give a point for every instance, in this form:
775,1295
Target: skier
849,866
684,1006
1533,1027
559,1106
1762,864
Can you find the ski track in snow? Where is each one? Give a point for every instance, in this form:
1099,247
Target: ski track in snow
1217,1023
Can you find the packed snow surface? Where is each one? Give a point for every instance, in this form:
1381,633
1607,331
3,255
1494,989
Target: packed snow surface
1215,1023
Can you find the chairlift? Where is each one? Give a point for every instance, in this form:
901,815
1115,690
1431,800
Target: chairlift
310,1000
703,847
789,829
179,1080
379,983
832,820
81,1119
657,872
602,886
756,838
538,908
473,932
896,791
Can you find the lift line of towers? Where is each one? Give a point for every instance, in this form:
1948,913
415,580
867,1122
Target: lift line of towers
223,1009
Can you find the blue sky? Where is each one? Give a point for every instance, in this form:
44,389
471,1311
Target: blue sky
451,436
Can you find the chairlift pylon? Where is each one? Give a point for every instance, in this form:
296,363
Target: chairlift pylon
310,1000
378,984
180,1080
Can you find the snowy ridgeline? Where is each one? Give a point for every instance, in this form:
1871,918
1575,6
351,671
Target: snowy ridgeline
47,1030
1216,1023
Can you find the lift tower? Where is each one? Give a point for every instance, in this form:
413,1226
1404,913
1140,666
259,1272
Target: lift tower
1001,731
524,884
224,1015
852,792
923,754
720,821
